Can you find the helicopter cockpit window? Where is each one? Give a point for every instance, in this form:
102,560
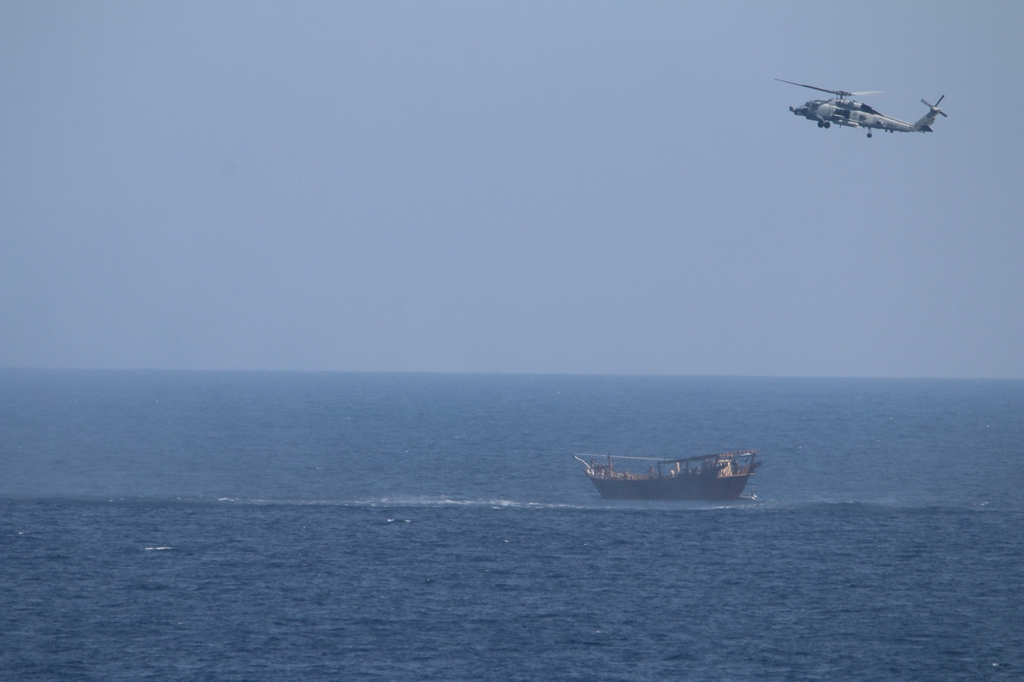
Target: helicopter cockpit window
865,107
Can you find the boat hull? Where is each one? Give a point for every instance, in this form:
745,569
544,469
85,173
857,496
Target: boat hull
695,487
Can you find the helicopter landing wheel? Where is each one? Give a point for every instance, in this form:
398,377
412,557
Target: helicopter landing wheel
821,124
869,134
827,124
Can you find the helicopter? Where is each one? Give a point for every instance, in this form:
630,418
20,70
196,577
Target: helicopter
846,112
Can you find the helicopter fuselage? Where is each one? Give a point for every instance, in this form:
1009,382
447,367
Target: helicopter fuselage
845,112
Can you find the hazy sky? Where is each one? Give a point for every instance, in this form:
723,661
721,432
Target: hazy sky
516,187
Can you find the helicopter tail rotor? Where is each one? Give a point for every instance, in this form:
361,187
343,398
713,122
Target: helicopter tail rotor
935,107
924,125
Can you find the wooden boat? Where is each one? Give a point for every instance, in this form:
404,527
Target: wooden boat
704,477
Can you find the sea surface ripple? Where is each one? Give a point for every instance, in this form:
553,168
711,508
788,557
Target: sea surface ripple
251,526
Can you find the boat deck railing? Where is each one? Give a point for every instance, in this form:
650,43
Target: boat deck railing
726,464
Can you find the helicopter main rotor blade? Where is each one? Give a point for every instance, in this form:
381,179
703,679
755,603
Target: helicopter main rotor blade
867,92
814,87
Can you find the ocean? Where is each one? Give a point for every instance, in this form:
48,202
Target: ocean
345,526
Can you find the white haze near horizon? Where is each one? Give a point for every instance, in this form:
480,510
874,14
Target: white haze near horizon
539,187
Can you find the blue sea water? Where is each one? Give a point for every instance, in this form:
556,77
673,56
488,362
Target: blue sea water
267,526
